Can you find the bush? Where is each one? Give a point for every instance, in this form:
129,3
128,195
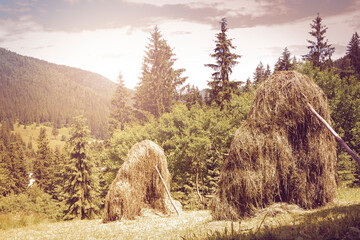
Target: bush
32,202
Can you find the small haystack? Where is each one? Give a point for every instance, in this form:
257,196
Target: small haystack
281,153
137,185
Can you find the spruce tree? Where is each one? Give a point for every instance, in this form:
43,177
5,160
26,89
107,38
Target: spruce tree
320,50
4,171
120,110
17,165
157,90
259,74
284,62
43,163
13,175
221,87
80,186
191,95
59,174
267,72
353,52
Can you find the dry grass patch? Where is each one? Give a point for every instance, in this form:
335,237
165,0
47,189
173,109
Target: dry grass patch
154,227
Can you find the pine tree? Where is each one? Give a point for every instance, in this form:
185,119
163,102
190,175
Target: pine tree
13,175
17,165
121,111
267,72
284,62
157,90
43,163
320,51
221,87
353,52
80,186
248,86
191,96
259,74
4,171
59,177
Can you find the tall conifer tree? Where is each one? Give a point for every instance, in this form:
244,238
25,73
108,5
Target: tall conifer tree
121,111
157,90
43,163
320,50
13,175
80,185
221,87
353,52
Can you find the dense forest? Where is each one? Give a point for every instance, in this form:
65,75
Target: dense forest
33,90
195,131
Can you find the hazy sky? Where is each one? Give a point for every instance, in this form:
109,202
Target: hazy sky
110,36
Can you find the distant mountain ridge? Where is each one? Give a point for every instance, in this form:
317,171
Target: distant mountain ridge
33,90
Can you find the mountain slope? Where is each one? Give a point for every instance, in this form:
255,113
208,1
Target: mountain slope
33,90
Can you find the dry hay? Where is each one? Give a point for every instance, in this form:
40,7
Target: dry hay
138,186
281,153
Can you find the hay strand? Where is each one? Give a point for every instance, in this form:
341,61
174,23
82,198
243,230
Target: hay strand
281,153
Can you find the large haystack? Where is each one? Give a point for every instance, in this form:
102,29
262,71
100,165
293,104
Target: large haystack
281,153
138,185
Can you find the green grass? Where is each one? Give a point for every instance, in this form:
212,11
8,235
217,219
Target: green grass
31,134
348,195
18,220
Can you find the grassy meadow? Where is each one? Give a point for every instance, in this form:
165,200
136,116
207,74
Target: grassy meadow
30,133
279,221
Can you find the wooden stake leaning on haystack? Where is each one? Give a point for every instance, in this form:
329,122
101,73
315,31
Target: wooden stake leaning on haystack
167,191
337,137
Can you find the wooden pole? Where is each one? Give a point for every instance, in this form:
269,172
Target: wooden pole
197,186
167,190
337,137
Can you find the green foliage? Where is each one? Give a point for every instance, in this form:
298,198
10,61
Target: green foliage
157,90
221,87
194,140
191,96
343,93
32,90
32,201
80,187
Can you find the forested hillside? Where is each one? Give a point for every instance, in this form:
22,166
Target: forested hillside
33,90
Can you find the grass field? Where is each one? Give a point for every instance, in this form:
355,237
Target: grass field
280,221
31,134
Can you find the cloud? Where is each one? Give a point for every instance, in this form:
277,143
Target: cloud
355,22
80,15
181,33
14,29
71,1
42,47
